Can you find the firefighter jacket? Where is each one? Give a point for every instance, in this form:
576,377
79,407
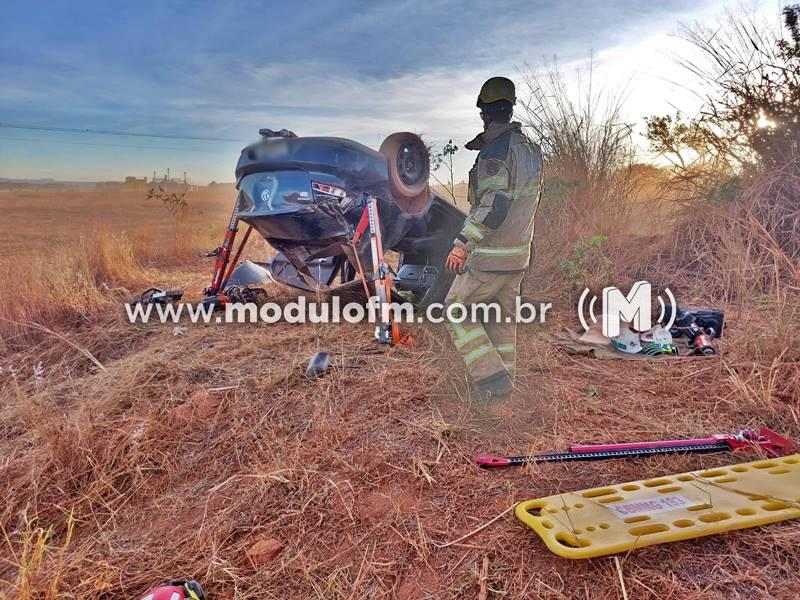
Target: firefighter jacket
505,185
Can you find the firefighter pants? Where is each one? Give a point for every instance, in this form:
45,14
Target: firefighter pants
487,344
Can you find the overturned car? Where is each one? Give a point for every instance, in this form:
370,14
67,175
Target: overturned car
305,196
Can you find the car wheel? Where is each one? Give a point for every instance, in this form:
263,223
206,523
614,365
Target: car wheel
408,169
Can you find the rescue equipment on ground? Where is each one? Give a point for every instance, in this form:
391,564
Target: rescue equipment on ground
176,590
386,330
619,518
627,341
771,443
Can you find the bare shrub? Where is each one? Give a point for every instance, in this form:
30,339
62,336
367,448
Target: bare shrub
587,147
592,182
752,75
177,209
443,159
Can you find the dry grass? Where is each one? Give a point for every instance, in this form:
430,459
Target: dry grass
747,248
69,282
108,487
38,217
92,249
183,451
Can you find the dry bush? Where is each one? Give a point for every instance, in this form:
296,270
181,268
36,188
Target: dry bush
588,150
737,173
739,232
180,247
743,255
593,187
751,74
112,259
746,248
35,551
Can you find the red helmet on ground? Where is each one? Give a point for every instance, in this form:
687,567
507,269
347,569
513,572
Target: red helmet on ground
176,590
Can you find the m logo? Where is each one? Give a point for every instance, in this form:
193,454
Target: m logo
635,308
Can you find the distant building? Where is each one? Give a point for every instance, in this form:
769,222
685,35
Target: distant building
171,184
135,184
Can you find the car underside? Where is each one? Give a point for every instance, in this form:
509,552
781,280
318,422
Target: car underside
305,196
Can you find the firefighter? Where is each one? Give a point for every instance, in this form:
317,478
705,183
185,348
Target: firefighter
493,249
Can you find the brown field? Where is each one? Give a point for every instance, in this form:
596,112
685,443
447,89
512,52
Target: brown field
60,217
72,251
130,454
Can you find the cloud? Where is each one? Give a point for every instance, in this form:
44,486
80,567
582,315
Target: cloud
350,69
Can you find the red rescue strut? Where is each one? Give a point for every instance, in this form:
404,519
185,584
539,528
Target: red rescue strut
386,331
223,254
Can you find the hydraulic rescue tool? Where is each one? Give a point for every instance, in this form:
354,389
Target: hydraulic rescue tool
386,330
218,293
222,270
700,325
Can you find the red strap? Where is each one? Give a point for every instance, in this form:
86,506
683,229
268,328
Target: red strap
363,223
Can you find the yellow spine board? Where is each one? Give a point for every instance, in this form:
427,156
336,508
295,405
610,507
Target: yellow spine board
618,518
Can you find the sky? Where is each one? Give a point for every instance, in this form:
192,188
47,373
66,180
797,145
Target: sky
360,70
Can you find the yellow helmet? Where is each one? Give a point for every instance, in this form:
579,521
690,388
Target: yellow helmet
497,88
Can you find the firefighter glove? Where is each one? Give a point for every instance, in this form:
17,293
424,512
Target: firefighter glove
457,259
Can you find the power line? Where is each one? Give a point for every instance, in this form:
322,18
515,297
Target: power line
122,133
14,139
